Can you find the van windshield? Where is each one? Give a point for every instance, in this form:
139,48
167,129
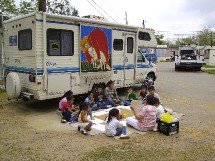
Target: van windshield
183,52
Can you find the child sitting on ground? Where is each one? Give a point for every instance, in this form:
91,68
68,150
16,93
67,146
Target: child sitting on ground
131,95
91,101
83,119
113,127
142,92
151,90
93,106
70,114
64,100
99,98
159,108
112,97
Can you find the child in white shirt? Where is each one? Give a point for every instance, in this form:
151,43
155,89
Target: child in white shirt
113,127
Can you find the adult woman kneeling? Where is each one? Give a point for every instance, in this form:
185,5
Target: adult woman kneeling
145,120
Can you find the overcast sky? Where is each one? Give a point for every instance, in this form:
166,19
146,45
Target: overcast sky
173,16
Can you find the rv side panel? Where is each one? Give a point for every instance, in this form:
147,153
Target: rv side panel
19,46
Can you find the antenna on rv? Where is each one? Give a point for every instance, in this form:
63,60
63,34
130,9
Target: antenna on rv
144,23
42,5
126,18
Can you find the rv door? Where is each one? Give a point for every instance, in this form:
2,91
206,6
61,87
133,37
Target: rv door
129,59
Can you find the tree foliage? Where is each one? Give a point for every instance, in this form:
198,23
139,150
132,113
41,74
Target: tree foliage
27,7
62,7
159,39
205,37
8,7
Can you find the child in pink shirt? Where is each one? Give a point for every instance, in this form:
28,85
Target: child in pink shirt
63,100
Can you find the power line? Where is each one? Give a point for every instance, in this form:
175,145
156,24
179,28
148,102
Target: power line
95,8
111,9
104,10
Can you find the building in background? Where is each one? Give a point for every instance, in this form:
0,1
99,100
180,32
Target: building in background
209,55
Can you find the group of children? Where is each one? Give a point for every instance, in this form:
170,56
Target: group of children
144,120
99,99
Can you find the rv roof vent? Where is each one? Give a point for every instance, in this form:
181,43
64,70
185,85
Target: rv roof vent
94,17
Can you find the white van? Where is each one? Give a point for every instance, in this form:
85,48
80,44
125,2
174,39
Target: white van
45,55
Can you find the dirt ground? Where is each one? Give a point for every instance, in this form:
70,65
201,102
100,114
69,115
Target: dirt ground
32,130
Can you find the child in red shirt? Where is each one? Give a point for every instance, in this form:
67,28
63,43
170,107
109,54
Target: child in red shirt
70,114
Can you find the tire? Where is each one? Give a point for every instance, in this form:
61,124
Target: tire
176,68
13,85
198,69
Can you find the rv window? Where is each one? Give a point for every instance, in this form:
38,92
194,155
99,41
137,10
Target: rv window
130,44
25,39
118,44
144,36
60,42
140,57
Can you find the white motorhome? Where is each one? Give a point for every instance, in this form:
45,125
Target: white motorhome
189,57
46,55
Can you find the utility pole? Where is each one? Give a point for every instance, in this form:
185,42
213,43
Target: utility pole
42,5
126,18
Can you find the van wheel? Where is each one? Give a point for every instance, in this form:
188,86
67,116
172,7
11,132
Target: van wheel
198,68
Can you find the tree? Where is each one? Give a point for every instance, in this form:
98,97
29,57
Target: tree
205,37
61,7
27,7
189,40
159,39
8,7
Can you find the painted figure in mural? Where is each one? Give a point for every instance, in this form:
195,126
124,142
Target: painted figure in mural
95,47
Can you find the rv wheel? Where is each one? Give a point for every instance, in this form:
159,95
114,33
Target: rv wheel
13,86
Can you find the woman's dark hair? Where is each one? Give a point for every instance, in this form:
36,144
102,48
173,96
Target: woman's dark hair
67,93
112,113
150,100
83,106
109,83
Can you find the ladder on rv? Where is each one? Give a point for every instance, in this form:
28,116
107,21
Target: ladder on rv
1,62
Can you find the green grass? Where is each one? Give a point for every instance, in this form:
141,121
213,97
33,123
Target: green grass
126,151
209,66
2,95
210,71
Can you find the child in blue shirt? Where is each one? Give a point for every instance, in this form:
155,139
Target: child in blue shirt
99,98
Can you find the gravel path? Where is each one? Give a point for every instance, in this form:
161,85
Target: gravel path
32,131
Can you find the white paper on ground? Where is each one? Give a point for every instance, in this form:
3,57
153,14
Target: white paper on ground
124,107
99,127
97,121
99,113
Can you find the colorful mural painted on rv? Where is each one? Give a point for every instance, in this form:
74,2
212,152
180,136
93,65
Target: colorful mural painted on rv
96,47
